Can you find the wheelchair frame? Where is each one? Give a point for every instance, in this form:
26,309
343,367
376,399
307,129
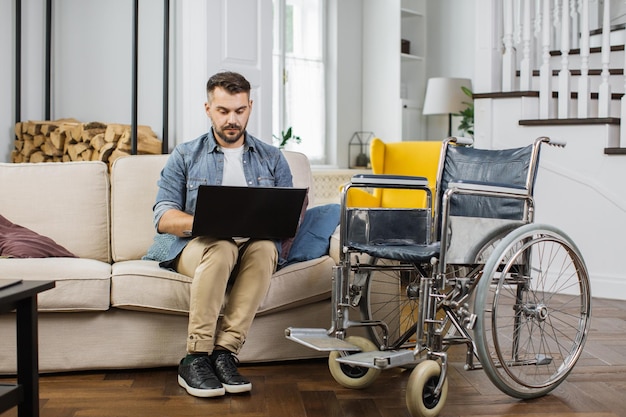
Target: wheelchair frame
523,308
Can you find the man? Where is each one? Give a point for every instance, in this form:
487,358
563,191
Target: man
226,155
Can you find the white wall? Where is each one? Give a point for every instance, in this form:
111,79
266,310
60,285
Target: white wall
450,50
92,62
345,81
578,189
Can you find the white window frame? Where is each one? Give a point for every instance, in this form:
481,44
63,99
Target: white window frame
280,77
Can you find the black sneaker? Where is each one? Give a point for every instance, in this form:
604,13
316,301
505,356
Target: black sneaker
225,365
198,378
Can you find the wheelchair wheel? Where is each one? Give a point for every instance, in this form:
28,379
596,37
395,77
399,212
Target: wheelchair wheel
420,397
533,305
391,295
349,376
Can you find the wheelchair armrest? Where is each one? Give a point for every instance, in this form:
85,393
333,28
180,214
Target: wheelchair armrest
461,140
382,180
491,187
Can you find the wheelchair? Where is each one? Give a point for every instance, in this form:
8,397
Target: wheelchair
472,269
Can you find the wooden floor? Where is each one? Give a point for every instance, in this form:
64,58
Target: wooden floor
596,388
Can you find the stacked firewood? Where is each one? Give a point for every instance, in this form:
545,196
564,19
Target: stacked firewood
67,140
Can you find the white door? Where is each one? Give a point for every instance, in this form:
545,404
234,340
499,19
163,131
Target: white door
218,35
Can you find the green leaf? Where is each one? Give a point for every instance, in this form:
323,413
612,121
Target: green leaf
467,115
285,137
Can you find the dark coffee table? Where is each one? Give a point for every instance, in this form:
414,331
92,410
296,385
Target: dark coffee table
22,297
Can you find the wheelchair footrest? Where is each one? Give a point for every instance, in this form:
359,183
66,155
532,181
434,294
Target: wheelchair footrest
378,359
319,339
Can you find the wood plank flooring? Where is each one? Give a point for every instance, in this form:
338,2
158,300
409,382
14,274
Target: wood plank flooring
595,388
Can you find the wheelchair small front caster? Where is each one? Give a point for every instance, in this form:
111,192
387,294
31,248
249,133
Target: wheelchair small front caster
420,390
350,376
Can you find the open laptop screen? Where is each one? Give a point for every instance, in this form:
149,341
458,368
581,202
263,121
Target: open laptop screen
257,212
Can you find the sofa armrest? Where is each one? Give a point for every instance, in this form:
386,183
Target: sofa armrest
334,249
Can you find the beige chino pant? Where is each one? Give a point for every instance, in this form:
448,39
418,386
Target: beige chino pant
215,264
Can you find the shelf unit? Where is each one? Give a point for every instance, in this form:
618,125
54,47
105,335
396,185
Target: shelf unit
394,81
412,68
49,4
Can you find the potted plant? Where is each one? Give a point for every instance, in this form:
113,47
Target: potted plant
286,136
467,116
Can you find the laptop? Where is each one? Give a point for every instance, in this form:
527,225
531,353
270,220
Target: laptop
256,212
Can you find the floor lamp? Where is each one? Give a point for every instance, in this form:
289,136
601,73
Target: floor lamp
445,96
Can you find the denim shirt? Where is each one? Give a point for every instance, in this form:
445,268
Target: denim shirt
201,162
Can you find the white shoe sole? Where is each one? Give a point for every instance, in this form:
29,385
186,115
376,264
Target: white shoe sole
237,389
204,393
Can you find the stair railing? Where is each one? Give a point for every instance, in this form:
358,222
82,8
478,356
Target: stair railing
548,25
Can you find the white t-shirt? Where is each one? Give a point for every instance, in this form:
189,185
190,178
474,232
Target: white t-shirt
233,167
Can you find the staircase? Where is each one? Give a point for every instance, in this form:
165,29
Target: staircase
580,188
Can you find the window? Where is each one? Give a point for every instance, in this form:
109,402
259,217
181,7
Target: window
299,76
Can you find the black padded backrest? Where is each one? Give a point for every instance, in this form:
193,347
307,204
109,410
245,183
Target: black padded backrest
502,167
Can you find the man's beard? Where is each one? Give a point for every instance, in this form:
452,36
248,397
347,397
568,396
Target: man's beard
232,138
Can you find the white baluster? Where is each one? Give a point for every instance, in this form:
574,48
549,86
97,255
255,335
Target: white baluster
583,80
526,62
545,76
508,59
537,27
622,131
604,93
517,15
564,73
537,32
556,21
574,11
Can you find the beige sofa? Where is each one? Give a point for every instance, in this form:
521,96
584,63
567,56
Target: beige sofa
110,309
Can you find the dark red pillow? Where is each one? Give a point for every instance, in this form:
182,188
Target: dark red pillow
19,242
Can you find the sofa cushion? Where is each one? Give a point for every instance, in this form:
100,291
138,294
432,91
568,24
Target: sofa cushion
143,285
301,172
133,193
67,202
20,242
81,284
299,284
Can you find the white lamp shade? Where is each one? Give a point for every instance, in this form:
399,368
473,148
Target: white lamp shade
445,96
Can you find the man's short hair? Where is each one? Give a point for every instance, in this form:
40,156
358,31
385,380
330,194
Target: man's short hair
230,81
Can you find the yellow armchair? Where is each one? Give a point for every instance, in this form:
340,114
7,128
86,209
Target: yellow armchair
416,158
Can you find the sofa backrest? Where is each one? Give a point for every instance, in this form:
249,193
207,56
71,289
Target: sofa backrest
67,202
133,193
301,172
